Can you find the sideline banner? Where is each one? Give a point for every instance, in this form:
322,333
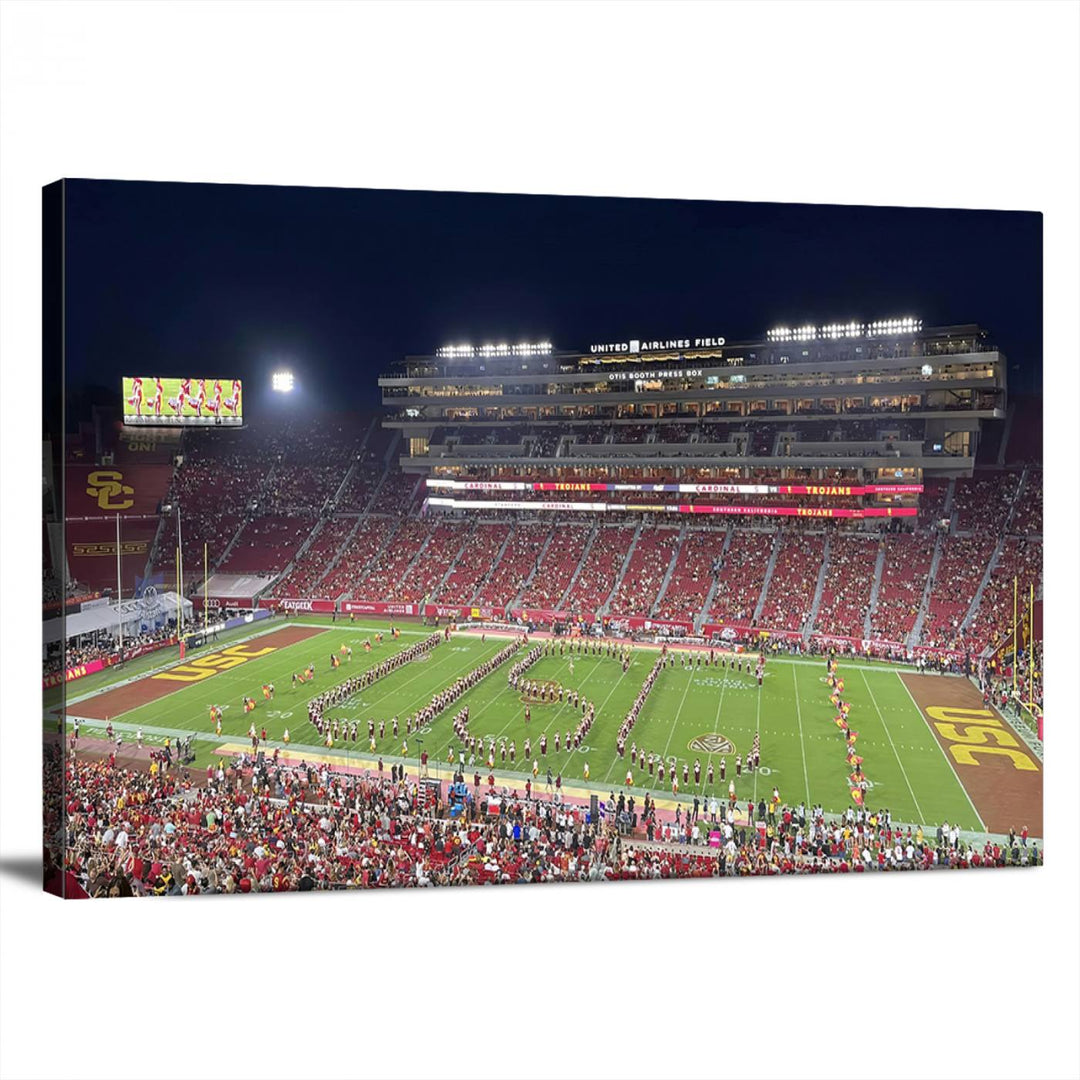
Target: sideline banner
55,678
294,603
376,607
825,490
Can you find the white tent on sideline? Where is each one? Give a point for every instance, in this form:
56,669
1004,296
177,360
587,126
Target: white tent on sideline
135,616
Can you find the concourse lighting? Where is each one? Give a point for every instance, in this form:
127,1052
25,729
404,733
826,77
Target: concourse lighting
282,381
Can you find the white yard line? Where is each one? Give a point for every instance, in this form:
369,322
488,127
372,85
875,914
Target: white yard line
888,735
671,730
716,725
982,824
802,741
618,683
761,690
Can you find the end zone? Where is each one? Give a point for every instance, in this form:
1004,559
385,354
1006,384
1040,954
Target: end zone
1003,779
113,703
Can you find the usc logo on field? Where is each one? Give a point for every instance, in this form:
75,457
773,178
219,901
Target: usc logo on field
106,485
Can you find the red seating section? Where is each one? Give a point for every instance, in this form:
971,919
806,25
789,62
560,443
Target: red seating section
742,573
849,578
903,580
649,563
693,575
518,562
794,581
601,568
557,567
476,561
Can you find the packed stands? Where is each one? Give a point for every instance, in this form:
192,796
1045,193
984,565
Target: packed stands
383,836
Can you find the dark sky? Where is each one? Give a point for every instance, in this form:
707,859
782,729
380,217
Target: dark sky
216,280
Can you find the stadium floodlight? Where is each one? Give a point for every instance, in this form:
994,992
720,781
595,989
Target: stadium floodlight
282,381
834,331
524,348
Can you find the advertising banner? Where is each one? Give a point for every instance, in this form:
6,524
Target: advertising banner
824,490
299,604
55,678
376,607
675,508
215,603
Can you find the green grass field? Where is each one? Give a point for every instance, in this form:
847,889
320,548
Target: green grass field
802,752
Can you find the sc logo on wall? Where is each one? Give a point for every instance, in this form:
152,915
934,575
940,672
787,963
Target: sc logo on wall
107,486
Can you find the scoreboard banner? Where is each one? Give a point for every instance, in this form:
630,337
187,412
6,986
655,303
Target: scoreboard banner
826,490
151,400
676,508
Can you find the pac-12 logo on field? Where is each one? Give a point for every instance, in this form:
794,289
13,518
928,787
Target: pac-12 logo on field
712,743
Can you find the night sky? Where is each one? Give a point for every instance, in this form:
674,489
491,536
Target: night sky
336,284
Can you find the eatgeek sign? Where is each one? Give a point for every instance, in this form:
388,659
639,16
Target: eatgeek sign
636,347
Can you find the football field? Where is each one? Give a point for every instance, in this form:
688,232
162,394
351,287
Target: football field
705,714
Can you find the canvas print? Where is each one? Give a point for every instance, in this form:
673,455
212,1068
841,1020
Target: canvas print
409,539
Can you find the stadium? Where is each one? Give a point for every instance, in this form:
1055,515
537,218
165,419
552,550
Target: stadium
648,608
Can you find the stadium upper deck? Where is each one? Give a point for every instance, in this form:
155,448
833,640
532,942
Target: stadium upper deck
857,396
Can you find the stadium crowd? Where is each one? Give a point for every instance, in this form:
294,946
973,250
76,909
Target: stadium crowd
105,647
257,826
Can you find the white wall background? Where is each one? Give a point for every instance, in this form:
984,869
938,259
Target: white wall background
966,974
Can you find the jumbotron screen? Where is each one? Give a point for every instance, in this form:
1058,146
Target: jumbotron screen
152,400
